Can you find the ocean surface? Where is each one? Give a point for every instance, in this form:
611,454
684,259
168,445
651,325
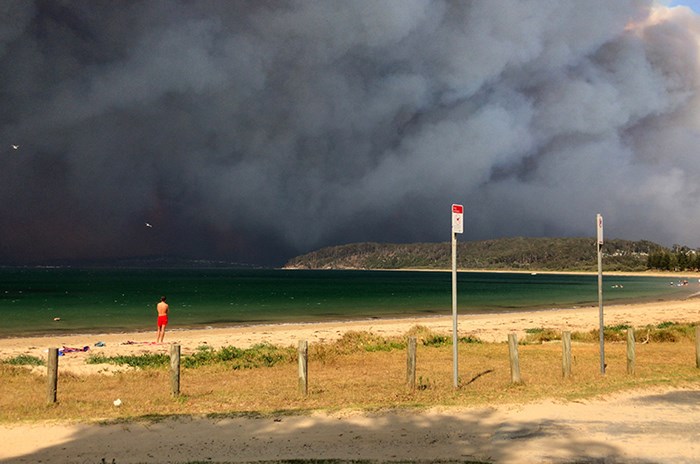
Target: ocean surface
99,301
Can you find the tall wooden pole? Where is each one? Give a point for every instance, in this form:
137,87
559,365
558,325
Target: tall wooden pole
52,376
631,354
697,346
514,358
175,369
303,359
411,363
566,354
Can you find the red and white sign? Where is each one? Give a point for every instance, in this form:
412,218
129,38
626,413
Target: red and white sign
457,219
599,221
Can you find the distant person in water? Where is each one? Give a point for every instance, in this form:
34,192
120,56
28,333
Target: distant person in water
162,308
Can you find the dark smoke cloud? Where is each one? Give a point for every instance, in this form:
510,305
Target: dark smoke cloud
256,130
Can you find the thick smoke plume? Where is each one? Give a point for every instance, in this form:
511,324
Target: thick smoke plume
256,130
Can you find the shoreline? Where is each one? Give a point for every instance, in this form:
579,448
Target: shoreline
69,326
649,273
349,319
488,327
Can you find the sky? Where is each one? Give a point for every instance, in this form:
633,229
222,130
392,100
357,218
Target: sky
252,131
692,4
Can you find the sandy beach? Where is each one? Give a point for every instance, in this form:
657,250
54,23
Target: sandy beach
640,426
487,327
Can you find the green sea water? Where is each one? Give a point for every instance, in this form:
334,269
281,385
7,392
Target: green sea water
100,300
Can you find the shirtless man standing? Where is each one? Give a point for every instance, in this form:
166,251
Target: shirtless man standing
162,308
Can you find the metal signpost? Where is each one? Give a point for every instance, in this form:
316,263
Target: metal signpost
457,228
599,223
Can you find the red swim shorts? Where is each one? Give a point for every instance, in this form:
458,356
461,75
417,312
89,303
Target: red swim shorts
162,320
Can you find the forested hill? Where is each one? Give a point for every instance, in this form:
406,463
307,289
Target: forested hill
533,254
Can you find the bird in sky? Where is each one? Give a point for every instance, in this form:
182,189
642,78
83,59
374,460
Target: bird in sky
148,225
15,146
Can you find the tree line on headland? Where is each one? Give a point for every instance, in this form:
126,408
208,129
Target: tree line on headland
517,253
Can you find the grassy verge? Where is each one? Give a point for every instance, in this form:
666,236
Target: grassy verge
360,371
660,333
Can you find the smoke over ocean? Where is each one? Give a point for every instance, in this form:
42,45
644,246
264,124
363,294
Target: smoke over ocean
257,130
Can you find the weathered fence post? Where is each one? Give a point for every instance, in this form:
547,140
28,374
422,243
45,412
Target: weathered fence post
175,369
514,360
697,346
303,367
566,354
52,371
411,363
631,355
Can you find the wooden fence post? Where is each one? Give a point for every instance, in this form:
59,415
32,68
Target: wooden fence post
303,367
175,369
631,355
514,360
52,371
697,346
411,363
566,354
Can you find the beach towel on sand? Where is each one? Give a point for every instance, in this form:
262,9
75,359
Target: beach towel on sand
68,349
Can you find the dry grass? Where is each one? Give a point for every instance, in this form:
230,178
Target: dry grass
348,378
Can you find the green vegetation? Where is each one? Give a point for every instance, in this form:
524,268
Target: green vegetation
678,258
519,253
353,342
660,333
24,360
540,336
260,355
143,361
362,370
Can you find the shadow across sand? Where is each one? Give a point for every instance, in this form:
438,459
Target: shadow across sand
687,398
474,435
